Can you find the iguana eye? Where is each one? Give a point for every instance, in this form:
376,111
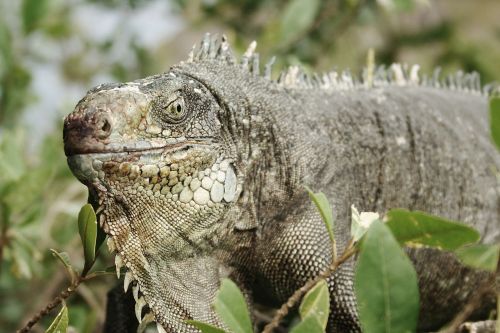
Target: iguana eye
175,111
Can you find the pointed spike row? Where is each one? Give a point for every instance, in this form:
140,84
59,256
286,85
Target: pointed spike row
450,81
291,77
255,65
126,280
281,78
414,77
191,54
138,308
135,291
250,50
406,72
380,78
459,80
333,77
111,244
223,47
316,80
346,79
99,209
477,81
249,53
398,75
118,264
204,48
467,82
102,219
268,69
212,48
436,77
160,328
148,318
224,52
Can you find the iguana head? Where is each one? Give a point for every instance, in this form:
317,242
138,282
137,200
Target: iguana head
174,163
160,170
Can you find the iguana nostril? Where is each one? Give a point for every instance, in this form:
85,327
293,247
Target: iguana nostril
104,127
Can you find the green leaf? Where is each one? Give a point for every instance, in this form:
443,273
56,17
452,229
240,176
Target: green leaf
204,327
231,307
385,283
316,303
480,256
495,120
418,228
308,325
87,227
64,259
33,12
60,323
325,210
298,16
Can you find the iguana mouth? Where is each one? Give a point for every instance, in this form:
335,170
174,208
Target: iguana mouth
137,147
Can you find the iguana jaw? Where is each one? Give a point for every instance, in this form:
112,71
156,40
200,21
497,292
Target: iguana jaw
86,165
126,218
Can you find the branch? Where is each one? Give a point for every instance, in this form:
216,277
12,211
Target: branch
53,304
63,295
473,304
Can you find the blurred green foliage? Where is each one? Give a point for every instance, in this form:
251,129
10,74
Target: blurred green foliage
39,199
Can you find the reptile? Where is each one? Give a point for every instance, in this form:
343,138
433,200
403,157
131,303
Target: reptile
199,173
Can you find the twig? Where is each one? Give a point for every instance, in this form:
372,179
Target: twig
54,303
61,297
299,293
472,305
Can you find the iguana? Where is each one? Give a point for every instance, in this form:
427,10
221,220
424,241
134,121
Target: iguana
199,173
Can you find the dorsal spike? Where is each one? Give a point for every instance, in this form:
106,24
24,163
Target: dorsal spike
204,48
381,76
450,80
245,59
191,54
477,81
425,80
317,80
213,46
436,77
255,64
281,78
251,49
398,75
414,77
268,69
333,77
223,48
459,77
347,79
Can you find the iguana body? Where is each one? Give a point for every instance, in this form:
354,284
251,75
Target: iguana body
199,174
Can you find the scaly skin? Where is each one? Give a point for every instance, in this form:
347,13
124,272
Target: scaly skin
199,174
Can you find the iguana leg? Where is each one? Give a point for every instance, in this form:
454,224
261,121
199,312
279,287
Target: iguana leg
298,249
120,317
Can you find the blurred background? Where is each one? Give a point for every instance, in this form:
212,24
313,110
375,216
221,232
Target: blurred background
53,51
